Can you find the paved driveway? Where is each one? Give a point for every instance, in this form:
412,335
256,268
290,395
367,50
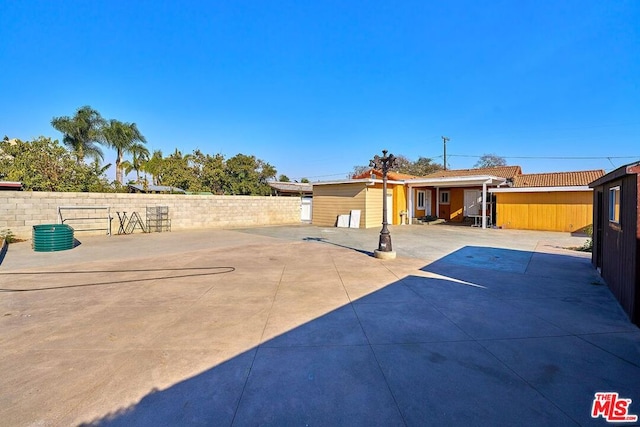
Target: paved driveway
301,326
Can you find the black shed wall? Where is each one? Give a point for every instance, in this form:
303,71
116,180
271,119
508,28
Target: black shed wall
617,246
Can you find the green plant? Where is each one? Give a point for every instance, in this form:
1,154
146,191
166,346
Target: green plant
588,246
7,235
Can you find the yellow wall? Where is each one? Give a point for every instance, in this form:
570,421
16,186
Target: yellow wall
399,202
552,211
374,204
373,213
329,201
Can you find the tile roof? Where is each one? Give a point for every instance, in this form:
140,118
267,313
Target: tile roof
557,179
394,176
500,171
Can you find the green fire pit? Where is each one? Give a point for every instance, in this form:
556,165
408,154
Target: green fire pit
52,237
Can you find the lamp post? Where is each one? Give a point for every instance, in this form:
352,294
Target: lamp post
384,163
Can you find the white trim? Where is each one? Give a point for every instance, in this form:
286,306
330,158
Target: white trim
440,196
367,181
424,197
456,181
410,210
539,189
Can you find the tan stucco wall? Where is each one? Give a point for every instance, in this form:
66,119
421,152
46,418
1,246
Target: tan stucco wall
20,210
332,200
551,211
374,204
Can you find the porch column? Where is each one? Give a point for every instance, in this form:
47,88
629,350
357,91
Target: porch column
437,202
484,205
410,204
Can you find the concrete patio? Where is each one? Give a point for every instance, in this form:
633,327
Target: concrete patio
302,326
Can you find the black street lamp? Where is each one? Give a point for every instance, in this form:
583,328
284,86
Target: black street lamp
384,163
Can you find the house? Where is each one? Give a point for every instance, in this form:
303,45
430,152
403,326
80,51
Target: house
616,235
296,189
499,195
10,186
455,195
363,193
138,188
557,201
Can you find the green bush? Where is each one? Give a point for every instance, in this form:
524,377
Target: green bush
7,235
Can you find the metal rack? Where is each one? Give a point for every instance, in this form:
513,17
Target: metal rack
158,219
89,220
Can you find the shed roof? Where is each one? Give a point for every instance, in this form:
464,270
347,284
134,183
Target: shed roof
291,187
499,171
557,179
615,174
10,185
156,188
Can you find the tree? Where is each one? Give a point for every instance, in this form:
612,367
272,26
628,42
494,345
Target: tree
210,171
304,180
247,175
139,155
81,133
421,167
490,161
45,165
124,138
358,170
153,166
284,178
177,170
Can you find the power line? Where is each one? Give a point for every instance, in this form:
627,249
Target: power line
554,157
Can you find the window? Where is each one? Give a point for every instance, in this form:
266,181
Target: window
444,197
420,196
614,204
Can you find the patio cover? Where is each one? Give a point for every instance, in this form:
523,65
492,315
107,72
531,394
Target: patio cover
456,181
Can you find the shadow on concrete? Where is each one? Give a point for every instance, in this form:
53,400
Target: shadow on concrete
486,343
324,240
4,246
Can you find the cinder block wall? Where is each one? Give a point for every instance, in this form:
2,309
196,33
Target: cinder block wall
21,210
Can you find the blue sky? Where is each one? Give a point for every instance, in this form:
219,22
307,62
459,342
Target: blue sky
315,88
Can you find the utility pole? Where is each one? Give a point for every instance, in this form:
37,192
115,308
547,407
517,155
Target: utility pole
444,141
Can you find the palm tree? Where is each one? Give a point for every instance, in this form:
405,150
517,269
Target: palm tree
122,137
153,166
139,155
81,133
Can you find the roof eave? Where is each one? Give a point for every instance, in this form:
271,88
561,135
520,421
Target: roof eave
540,189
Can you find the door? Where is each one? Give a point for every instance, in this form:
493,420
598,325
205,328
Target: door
427,203
305,209
596,235
389,208
472,202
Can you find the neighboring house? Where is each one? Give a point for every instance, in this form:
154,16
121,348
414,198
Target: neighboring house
296,189
558,201
10,186
138,188
616,235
